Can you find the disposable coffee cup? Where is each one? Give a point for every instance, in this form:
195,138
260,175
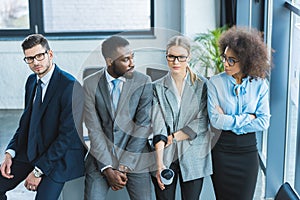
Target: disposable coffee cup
166,176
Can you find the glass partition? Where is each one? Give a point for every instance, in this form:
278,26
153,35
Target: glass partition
293,99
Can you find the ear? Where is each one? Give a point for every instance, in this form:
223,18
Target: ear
188,58
50,53
108,61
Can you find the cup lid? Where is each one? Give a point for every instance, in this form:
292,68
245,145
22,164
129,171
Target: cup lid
167,173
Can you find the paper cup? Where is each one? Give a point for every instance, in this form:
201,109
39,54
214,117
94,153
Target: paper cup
166,176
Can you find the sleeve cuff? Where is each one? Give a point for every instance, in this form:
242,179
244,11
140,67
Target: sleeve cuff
11,152
104,168
38,169
158,138
187,130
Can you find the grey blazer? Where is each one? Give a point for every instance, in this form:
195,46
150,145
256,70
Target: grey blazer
192,118
118,138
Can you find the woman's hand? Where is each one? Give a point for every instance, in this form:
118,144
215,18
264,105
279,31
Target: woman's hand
170,140
159,147
219,109
160,184
178,136
252,116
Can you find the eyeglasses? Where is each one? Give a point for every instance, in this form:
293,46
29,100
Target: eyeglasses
172,58
230,60
38,57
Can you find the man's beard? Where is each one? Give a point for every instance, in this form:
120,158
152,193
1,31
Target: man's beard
129,73
44,71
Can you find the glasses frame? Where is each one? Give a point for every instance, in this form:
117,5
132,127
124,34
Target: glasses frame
36,57
230,60
179,58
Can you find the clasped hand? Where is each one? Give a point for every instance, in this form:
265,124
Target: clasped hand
116,179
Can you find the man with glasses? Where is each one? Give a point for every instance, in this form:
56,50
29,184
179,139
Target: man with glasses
46,149
117,116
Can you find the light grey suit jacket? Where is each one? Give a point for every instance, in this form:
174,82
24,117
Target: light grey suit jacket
118,138
192,118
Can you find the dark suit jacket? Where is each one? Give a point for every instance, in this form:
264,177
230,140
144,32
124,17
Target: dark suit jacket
60,150
118,138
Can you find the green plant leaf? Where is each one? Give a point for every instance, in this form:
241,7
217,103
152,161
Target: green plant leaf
205,52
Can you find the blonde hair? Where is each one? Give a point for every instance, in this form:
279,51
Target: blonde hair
184,42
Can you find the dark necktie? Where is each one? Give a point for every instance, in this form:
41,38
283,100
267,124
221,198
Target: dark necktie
115,94
33,126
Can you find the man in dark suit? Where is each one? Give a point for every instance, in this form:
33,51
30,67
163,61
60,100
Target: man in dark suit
117,116
46,149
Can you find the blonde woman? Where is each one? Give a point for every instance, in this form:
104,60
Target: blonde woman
180,123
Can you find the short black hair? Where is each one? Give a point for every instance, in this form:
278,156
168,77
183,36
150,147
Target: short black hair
33,40
110,45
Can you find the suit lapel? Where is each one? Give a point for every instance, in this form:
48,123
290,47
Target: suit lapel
186,100
52,88
31,92
170,95
105,94
30,97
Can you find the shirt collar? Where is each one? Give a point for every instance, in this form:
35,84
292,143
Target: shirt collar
232,79
109,78
184,80
241,88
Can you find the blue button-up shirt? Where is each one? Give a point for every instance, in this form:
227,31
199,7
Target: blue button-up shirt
238,101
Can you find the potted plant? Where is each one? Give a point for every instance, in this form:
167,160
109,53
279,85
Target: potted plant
205,52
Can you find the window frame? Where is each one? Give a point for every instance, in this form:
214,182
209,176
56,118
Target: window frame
36,25
295,10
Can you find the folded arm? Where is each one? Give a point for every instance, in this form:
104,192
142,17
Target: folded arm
218,119
262,115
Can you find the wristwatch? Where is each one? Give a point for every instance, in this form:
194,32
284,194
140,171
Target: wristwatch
37,173
123,168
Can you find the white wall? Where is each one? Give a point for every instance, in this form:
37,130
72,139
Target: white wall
199,16
171,17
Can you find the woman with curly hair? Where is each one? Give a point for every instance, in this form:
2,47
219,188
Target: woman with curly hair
238,106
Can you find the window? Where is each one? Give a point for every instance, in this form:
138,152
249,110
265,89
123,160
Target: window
76,18
14,15
293,99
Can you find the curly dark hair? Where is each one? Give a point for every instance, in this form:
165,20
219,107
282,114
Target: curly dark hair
250,49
